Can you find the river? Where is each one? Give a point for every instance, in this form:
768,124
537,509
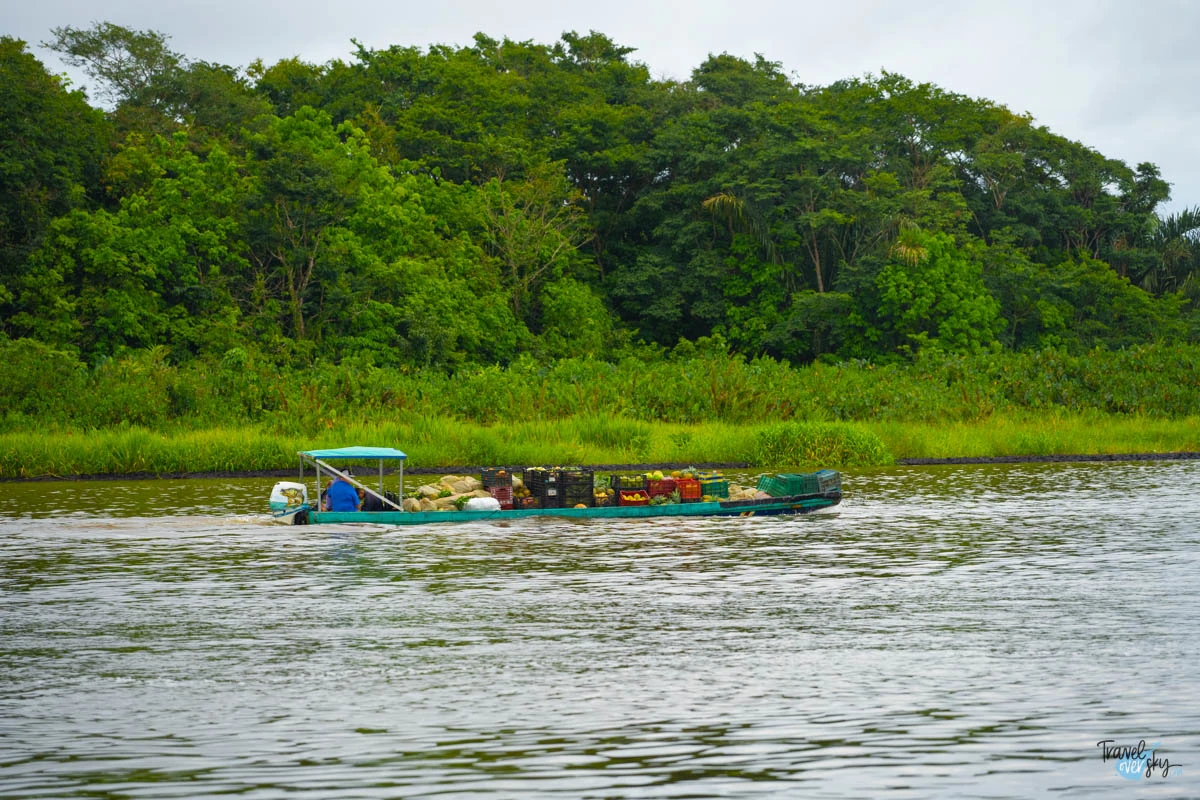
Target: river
956,632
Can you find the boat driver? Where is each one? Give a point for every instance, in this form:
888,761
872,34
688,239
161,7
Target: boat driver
341,496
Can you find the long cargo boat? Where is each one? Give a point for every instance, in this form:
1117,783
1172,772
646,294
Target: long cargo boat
289,501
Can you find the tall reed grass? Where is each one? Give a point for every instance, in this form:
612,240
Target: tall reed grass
1156,381
432,442
1048,435
142,414
592,439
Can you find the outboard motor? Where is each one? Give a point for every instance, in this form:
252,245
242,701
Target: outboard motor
287,497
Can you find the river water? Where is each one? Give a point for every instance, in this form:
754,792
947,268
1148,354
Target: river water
957,632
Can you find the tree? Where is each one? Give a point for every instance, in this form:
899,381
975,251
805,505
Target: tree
52,148
574,321
129,65
308,180
534,227
161,268
931,291
1175,241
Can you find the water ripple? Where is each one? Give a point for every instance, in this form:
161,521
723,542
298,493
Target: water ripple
967,631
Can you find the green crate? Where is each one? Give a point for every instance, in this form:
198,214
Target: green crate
829,480
714,487
772,486
790,484
800,483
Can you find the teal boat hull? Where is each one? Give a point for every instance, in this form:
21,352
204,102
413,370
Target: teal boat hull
775,506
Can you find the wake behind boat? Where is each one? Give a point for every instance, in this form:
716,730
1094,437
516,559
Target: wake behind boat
502,493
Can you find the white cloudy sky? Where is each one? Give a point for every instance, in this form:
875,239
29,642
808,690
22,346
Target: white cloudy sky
1119,75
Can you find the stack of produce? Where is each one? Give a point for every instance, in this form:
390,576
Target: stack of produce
560,487
522,497
603,494
570,487
448,494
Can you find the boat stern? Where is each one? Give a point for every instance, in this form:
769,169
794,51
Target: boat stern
288,497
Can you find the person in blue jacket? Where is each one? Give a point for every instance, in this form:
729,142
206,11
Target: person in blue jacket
341,496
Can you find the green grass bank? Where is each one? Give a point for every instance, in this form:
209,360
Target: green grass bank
594,439
141,413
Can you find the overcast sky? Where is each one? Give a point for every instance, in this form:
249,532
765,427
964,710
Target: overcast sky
1118,75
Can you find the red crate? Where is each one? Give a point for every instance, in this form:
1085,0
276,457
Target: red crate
627,497
689,490
504,494
660,488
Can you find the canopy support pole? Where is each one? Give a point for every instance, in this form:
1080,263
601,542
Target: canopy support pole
351,481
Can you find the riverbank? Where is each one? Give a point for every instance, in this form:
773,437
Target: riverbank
470,469
608,442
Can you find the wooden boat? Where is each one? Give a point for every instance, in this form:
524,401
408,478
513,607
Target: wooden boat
289,501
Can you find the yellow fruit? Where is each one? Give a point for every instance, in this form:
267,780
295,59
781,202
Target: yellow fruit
580,505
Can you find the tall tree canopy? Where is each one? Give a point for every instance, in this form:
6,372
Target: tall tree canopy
448,205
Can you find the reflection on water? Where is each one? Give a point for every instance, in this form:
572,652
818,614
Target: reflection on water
967,631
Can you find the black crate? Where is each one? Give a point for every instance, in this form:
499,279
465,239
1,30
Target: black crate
629,482
539,478
574,495
549,501
494,477
577,477
545,485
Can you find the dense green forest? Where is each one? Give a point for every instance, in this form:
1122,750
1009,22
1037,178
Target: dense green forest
452,207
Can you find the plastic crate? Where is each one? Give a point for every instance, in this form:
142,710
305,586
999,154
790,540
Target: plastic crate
714,487
544,485
574,495
628,482
504,494
689,490
829,480
633,497
542,482
660,488
772,485
800,483
496,476
577,477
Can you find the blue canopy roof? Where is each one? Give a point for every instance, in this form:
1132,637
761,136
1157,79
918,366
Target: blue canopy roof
354,452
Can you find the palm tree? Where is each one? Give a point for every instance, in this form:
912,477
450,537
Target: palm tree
1176,240
741,218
